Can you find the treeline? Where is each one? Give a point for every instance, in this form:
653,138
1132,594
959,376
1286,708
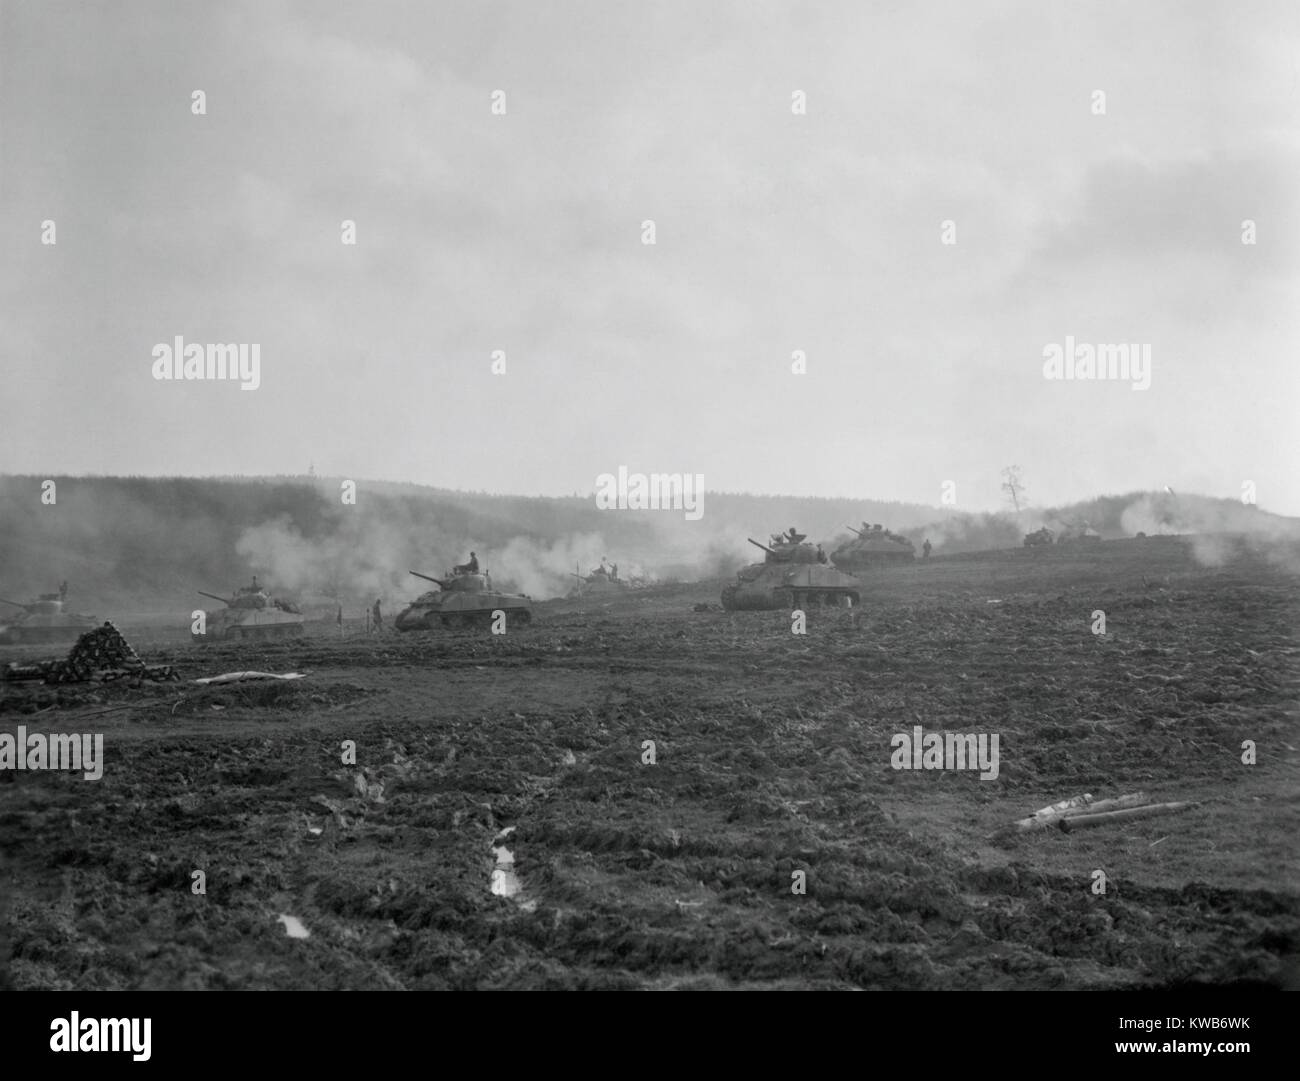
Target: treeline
141,540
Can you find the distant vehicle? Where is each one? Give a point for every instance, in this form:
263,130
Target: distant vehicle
605,579
1039,538
793,574
1078,533
44,620
251,613
874,546
462,600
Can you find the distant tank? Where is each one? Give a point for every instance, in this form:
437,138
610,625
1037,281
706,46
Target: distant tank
1039,537
874,546
251,613
793,574
44,620
602,579
462,599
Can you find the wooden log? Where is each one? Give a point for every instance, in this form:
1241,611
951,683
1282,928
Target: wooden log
1052,816
1106,818
1137,799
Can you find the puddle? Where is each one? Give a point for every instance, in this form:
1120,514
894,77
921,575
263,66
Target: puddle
293,926
505,882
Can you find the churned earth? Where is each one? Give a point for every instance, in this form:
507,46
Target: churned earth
772,764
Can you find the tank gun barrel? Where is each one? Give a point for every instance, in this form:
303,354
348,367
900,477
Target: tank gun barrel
430,578
213,596
14,603
763,546
857,532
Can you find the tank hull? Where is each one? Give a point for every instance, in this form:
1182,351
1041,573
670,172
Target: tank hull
42,629
875,549
463,609
774,586
240,623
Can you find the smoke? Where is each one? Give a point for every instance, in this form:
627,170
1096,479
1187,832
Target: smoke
1154,515
544,570
1218,530
360,557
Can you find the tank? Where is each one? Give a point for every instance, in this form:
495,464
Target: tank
462,600
43,620
793,574
602,580
873,546
251,613
1039,537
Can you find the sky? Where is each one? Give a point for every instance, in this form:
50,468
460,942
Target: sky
775,231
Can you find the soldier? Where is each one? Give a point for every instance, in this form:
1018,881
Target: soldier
377,616
821,556
925,549
473,563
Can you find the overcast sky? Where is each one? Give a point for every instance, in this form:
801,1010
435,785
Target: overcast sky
775,232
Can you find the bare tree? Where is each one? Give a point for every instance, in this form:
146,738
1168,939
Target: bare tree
1013,485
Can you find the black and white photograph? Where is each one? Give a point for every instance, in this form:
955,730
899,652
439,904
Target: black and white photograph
600,495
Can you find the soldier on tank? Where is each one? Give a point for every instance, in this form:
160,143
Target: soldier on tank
821,556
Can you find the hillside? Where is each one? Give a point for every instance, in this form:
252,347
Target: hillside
142,541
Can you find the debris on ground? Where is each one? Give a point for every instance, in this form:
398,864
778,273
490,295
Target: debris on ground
1110,817
242,677
1083,811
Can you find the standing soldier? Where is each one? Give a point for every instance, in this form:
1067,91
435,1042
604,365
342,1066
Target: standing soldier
378,618
925,549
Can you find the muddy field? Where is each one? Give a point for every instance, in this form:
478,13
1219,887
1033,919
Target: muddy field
772,756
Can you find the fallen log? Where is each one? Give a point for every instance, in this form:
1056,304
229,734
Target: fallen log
1106,818
1052,816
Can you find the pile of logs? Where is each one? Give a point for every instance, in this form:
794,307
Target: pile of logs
101,655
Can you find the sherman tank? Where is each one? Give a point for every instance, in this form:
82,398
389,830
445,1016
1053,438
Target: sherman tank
602,579
1039,537
793,574
873,546
462,599
251,613
44,620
